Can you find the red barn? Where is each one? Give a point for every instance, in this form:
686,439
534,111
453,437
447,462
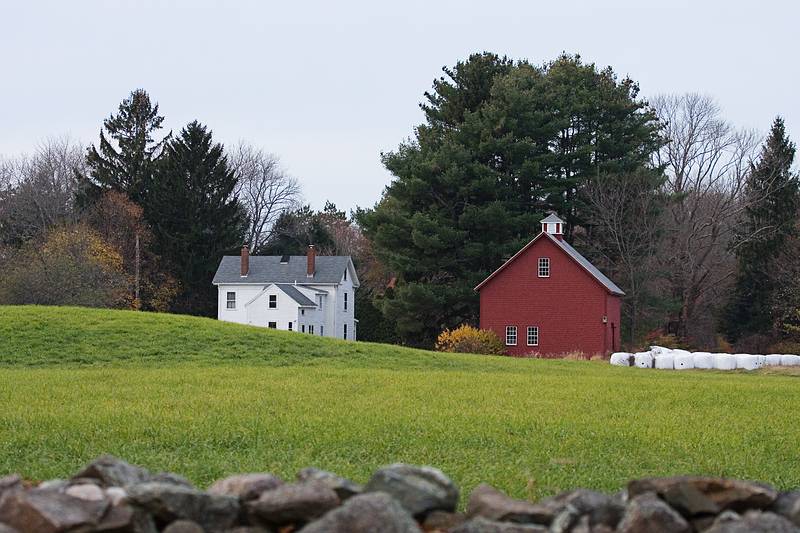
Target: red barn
549,299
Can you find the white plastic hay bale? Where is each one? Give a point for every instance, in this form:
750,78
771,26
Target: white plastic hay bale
724,361
774,359
643,359
683,360
665,360
746,361
621,358
790,360
762,361
703,360
658,350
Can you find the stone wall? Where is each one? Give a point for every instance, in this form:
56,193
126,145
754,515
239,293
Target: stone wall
110,495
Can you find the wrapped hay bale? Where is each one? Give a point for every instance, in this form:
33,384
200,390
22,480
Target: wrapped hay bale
643,360
657,350
665,360
683,360
621,358
703,360
746,361
761,361
774,359
724,361
790,360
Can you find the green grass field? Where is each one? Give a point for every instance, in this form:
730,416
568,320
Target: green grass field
204,399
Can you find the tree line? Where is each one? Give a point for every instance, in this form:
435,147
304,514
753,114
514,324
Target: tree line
694,218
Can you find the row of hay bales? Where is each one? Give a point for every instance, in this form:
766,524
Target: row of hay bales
669,359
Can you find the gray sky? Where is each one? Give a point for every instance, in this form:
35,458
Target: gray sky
329,85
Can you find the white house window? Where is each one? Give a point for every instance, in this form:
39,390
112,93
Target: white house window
321,330
273,301
511,335
345,331
345,301
303,328
273,325
231,300
544,267
311,329
345,274
533,335
290,326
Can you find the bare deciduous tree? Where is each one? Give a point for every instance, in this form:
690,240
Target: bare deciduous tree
38,190
706,162
264,189
626,210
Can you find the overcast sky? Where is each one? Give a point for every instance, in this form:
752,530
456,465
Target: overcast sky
329,85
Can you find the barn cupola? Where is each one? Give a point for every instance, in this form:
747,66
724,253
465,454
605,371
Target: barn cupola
553,225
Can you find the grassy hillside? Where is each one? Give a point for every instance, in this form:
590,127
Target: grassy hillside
205,399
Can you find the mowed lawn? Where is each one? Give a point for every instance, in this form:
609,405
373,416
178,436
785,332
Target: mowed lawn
206,399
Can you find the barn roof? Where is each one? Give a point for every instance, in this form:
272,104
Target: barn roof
329,269
570,251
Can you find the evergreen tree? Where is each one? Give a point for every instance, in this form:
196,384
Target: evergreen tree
126,167
195,215
770,220
503,143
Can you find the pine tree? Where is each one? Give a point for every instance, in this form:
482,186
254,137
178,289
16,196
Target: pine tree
126,167
195,215
503,143
770,220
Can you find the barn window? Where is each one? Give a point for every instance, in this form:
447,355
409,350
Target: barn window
273,301
231,301
544,267
511,335
533,335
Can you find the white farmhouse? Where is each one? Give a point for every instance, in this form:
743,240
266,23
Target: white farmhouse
308,294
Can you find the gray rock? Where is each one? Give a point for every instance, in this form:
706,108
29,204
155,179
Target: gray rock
343,487
86,491
245,486
724,493
419,489
442,521
168,477
647,513
488,502
168,502
113,472
11,482
788,505
601,508
376,512
753,522
292,504
183,526
125,518
565,520
48,511
480,524
7,529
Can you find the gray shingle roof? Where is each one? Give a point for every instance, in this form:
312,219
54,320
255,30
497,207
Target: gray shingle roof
292,292
269,269
602,278
552,217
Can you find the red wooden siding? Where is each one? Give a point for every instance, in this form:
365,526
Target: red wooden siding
568,307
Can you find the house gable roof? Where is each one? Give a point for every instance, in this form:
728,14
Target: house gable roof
609,285
269,269
289,290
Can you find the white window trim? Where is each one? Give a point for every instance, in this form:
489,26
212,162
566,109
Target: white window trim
528,335
228,300
269,301
509,330
543,265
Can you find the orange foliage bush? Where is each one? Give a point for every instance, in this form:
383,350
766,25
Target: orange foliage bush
467,339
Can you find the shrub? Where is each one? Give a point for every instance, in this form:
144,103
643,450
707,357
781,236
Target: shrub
671,341
467,339
785,346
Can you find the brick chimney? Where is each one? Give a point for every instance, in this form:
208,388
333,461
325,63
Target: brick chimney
311,260
245,261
